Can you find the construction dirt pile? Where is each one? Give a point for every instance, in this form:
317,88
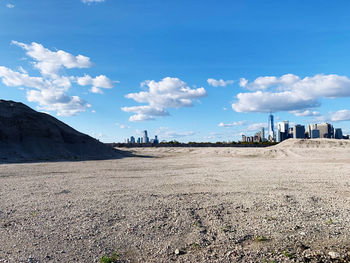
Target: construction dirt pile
28,135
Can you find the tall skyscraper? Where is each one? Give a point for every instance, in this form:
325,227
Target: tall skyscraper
156,139
270,128
338,133
326,130
262,134
299,132
282,131
145,137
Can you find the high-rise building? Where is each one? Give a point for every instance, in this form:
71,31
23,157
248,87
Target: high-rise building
338,133
132,139
315,133
309,130
282,131
145,137
299,131
257,137
244,138
278,136
262,134
156,141
139,140
326,130
270,128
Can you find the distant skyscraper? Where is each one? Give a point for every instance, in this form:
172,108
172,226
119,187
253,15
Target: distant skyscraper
315,134
132,139
145,137
326,130
156,141
338,134
262,134
282,131
270,128
299,132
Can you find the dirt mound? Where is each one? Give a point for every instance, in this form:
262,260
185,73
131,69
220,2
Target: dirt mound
28,135
313,143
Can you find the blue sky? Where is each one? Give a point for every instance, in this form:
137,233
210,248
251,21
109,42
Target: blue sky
291,57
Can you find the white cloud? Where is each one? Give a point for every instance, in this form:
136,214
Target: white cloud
92,1
262,83
236,123
122,126
305,113
50,62
256,126
167,93
51,88
243,82
144,113
290,92
98,83
219,83
16,79
53,100
10,5
167,133
341,115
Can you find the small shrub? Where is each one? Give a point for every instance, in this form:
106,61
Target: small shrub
112,259
261,238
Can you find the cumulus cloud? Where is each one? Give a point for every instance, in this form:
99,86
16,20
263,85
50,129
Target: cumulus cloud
98,83
167,93
236,123
262,83
305,113
55,100
341,115
219,83
50,89
289,92
10,5
50,62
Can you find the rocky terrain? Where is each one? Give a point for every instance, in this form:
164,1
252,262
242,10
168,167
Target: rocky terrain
287,203
27,135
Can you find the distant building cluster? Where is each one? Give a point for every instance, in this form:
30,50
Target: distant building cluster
283,132
143,139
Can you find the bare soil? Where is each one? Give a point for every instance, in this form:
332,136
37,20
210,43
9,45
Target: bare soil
287,203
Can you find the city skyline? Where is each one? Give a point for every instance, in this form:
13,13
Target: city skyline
183,71
283,130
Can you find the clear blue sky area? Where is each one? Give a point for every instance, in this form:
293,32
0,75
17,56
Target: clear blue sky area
211,70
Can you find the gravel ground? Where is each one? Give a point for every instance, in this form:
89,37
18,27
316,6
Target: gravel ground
279,204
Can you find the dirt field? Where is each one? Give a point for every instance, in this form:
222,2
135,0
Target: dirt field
287,203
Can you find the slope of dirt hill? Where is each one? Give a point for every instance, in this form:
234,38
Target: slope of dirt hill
313,143
28,135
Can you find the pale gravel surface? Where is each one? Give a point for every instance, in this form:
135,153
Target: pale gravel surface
209,203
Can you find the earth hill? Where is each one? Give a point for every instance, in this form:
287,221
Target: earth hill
28,135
